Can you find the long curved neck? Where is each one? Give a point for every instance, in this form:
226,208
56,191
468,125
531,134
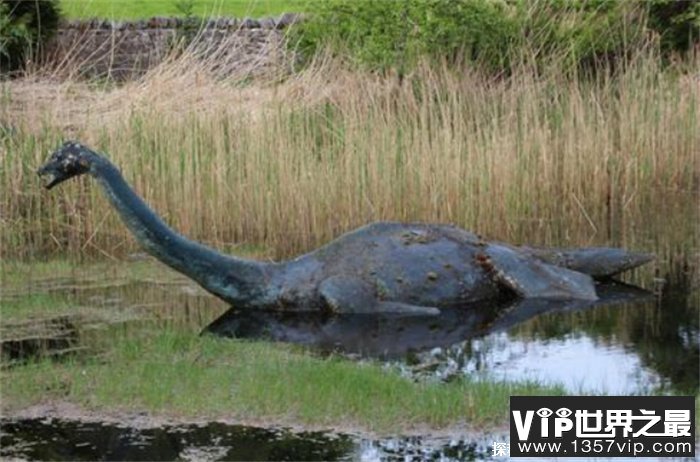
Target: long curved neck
233,279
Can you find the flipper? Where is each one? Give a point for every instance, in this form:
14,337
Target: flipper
532,278
599,262
353,295
405,308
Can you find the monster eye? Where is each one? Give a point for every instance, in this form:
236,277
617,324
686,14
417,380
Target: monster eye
544,412
564,412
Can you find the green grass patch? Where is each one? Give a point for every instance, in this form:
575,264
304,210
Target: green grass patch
176,373
40,274
138,9
50,288
172,371
16,273
35,304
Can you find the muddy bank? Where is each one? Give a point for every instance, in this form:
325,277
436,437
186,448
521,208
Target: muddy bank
145,420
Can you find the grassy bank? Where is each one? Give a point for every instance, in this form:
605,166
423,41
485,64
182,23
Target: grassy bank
140,351
133,9
288,166
178,374
52,288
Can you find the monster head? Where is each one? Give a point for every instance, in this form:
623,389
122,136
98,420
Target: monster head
71,159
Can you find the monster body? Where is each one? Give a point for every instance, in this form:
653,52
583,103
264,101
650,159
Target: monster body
382,267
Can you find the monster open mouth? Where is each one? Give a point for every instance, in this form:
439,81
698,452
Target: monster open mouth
49,177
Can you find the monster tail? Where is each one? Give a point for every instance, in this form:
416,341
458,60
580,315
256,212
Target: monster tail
599,262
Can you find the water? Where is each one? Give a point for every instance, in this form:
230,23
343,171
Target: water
38,439
604,347
631,341
58,440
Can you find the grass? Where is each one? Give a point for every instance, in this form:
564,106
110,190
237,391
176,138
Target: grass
35,305
135,9
165,368
17,274
288,166
101,293
175,373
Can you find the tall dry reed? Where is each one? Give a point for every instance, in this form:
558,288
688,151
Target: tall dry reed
287,166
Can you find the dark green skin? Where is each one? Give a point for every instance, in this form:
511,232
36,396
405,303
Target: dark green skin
382,267
389,267
397,267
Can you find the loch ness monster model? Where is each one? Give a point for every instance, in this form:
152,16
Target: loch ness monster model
381,267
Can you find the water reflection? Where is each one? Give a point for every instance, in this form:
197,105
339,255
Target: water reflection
39,439
57,439
629,341
669,341
389,335
661,335
51,439
578,363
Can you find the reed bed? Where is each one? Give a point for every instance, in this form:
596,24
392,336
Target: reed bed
286,165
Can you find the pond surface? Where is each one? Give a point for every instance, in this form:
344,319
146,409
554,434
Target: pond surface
37,439
544,341
631,341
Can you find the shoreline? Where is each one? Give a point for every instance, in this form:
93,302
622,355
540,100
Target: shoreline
65,410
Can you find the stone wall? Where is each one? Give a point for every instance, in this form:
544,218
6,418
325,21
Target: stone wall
124,50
